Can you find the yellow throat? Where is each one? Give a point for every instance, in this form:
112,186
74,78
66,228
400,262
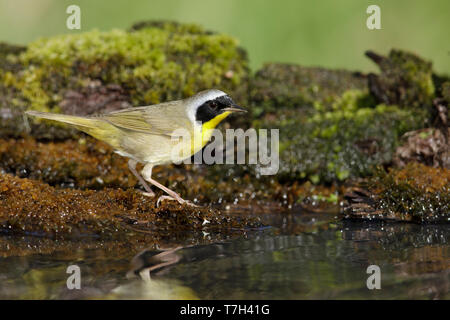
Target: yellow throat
207,130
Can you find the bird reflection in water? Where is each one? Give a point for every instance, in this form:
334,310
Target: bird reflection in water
146,262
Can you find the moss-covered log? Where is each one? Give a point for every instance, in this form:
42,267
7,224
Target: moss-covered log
335,125
279,85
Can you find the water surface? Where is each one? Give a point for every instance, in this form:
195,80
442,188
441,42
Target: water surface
301,256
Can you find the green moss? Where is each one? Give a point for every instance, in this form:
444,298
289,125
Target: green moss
344,140
286,85
153,63
416,192
9,56
331,198
405,80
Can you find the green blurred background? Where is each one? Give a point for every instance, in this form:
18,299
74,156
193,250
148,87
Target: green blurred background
327,33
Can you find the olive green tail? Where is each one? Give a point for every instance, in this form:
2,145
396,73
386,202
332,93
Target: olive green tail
98,128
73,120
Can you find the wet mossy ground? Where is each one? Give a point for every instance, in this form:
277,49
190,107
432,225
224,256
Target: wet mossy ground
415,193
31,207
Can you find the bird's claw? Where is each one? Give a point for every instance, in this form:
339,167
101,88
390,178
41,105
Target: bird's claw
147,194
181,201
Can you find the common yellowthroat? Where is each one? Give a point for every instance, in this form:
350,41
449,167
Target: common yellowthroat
149,134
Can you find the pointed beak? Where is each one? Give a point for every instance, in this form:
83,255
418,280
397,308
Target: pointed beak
234,108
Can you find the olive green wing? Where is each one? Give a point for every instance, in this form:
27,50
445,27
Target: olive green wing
162,119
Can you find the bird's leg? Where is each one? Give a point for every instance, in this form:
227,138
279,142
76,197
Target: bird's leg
132,166
147,174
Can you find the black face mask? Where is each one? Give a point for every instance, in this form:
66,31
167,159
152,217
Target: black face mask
212,108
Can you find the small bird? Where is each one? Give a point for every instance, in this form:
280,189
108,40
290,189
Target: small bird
149,134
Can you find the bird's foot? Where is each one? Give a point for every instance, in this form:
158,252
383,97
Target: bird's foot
180,200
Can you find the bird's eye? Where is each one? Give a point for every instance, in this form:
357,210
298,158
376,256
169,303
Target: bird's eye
213,105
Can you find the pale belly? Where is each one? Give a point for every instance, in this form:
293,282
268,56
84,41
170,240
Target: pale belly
161,149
